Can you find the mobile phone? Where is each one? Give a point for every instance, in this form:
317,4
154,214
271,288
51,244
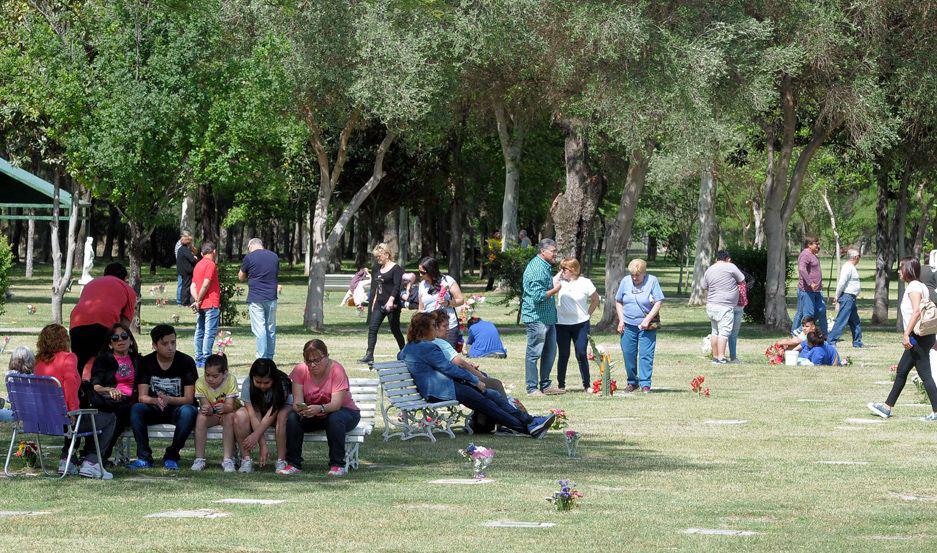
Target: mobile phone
301,405
912,340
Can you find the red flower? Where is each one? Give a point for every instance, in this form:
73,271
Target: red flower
706,392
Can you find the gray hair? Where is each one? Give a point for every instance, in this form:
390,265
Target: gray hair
255,243
546,243
852,253
22,360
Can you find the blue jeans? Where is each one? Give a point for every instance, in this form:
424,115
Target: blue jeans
6,415
206,329
263,316
178,289
578,334
810,304
637,347
143,414
848,314
494,406
541,345
736,326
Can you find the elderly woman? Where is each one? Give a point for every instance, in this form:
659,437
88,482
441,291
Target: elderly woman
916,348
322,402
113,377
385,288
638,303
22,361
575,302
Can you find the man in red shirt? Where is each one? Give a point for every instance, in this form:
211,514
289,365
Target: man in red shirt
104,301
206,294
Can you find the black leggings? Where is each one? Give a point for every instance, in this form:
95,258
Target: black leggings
374,324
917,357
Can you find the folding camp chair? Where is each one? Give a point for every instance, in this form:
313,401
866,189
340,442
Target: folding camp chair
39,408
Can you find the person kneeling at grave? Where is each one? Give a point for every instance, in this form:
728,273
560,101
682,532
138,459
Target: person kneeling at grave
438,379
818,351
799,342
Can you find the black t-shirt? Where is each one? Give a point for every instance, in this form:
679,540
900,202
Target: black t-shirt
172,381
185,262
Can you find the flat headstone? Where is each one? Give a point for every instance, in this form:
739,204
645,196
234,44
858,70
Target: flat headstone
914,404
720,532
518,524
912,497
726,421
884,382
607,489
891,538
197,513
463,481
865,421
850,428
618,419
427,506
842,462
243,501
811,400
23,513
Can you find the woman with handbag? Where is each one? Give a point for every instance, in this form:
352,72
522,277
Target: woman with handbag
575,302
113,378
916,347
638,302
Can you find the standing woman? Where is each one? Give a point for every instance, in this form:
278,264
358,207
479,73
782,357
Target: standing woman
576,301
113,377
385,287
916,348
438,291
638,303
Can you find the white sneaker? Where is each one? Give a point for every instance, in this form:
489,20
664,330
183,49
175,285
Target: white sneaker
281,464
247,465
337,472
227,465
72,467
94,470
198,464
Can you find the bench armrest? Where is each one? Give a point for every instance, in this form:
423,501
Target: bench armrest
77,412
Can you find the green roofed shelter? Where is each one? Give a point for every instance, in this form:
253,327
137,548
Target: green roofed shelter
22,189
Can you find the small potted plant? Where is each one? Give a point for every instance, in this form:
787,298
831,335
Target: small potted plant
480,457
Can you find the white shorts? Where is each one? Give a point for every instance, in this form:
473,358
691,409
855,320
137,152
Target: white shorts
721,319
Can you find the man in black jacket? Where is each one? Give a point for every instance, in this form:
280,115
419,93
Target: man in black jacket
185,266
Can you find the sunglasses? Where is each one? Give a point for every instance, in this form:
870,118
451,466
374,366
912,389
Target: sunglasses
119,337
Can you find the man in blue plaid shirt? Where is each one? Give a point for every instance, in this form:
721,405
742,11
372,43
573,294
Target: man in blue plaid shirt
538,311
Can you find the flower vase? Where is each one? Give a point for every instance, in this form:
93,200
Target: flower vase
572,443
563,503
479,467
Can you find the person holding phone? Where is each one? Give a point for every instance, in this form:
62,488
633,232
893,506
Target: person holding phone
266,395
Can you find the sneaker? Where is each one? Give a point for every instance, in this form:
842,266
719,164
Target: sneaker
551,391
720,361
735,361
880,410
72,467
589,390
539,427
94,470
198,464
247,466
505,431
281,464
368,358
140,464
288,470
227,465
535,393
631,388
337,472
930,418
169,464
646,389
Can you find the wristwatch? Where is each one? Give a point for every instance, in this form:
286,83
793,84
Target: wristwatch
323,408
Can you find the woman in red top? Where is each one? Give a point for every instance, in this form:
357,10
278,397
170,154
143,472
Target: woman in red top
54,359
321,401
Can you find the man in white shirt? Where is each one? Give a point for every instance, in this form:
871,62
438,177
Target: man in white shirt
847,289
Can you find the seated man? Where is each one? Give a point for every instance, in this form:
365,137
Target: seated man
799,342
818,351
484,340
166,390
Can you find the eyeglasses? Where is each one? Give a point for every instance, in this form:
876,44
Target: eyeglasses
119,337
316,360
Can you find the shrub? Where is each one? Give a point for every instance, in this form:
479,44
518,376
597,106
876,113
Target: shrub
231,290
508,268
6,265
755,263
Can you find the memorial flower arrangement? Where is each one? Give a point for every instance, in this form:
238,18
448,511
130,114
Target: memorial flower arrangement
561,421
697,386
566,498
30,309
604,385
6,342
775,354
158,290
28,452
571,438
480,457
223,340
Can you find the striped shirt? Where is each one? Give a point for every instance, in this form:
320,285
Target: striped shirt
536,307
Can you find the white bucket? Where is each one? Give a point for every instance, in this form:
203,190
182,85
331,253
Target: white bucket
790,357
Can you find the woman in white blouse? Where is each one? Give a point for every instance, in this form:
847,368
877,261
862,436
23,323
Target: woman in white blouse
575,303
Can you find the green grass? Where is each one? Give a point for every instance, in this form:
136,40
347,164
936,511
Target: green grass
651,466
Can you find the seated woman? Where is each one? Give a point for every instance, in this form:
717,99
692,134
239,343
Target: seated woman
357,293
322,402
112,376
267,397
438,379
53,358
818,351
22,361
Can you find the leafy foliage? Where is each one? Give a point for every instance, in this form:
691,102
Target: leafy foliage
508,267
6,263
755,262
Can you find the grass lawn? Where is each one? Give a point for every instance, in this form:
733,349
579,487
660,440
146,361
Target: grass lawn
810,469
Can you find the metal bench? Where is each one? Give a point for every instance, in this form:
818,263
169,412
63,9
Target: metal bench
363,390
416,417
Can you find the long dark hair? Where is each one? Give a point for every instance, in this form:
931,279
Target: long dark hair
431,266
266,368
133,351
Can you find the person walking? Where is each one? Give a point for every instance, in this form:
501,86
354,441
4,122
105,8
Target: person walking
810,302
721,282
917,348
207,303
104,302
385,288
185,265
847,290
575,303
638,302
261,268
538,312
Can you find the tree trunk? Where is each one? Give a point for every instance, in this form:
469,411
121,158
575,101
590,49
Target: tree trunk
208,213
918,247
112,220
706,231
361,241
389,236
883,246
187,217
61,278
403,234
30,243
574,209
619,233
512,146
136,270
901,216
427,229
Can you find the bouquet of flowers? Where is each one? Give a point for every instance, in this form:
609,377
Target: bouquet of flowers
697,386
30,309
560,422
28,452
597,387
468,309
480,457
775,354
223,341
572,441
174,318
565,499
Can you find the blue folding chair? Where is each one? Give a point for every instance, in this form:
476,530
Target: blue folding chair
39,408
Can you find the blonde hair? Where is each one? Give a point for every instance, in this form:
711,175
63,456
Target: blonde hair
572,264
637,265
383,248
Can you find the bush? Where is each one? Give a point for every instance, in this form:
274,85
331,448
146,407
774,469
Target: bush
6,264
755,263
508,268
231,291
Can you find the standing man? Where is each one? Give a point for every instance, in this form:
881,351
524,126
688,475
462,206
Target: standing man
260,269
207,303
810,301
538,311
104,301
185,265
721,282
847,289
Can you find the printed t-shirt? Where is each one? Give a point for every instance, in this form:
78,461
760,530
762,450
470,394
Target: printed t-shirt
126,375
104,301
206,268
217,396
431,301
172,381
320,393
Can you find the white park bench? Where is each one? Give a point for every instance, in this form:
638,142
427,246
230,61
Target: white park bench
415,416
363,390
